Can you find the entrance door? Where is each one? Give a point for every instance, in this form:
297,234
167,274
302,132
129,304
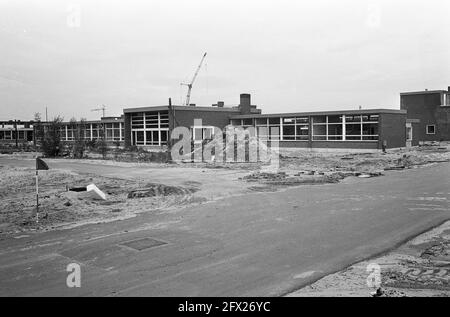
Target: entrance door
409,135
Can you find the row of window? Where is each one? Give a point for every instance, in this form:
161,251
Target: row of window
114,131
152,137
11,135
150,120
324,128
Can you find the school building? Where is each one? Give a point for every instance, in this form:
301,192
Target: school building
423,116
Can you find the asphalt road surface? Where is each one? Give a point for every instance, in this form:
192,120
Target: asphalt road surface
261,244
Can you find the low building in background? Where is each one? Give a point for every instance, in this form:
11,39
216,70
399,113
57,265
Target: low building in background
16,131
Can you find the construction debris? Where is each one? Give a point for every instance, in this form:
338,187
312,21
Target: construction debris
92,192
153,190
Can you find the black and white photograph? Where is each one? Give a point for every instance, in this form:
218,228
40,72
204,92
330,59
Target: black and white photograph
228,155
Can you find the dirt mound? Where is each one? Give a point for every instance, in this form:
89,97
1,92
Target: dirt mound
154,190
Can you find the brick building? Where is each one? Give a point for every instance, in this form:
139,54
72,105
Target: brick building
350,129
423,116
428,115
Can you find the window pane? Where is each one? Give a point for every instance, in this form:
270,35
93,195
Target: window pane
208,133
319,129
334,119
261,121
148,135
302,130
262,131
373,117
247,121
353,129
353,118
353,137
288,120
288,131
274,120
302,120
140,136
321,119
335,129
235,121
198,134
370,128
164,136
155,137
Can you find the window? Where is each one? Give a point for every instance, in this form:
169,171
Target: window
261,121
112,131
247,122
137,120
346,128
202,133
288,132
431,129
274,121
295,128
446,100
150,128
152,137
319,128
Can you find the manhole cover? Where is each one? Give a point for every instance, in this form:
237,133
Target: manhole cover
144,243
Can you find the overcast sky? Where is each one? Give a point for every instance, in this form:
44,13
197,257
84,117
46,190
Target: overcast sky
73,56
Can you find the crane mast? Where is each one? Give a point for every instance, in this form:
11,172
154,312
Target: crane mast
188,96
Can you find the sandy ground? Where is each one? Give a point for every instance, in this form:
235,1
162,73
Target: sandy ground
59,206
420,267
163,187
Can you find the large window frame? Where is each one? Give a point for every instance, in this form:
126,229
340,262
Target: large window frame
348,128
150,128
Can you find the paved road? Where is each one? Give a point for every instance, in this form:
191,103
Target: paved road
265,244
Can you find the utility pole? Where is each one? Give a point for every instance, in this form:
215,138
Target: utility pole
46,115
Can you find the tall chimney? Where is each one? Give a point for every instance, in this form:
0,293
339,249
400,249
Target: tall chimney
245,104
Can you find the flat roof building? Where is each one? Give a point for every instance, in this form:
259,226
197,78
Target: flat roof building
347,129
428,115
423,116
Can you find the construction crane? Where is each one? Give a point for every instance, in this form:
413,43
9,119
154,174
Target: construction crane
102,108
188,96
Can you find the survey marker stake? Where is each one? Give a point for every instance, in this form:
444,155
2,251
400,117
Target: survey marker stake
40,165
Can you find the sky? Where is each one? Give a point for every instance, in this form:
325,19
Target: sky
291,56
